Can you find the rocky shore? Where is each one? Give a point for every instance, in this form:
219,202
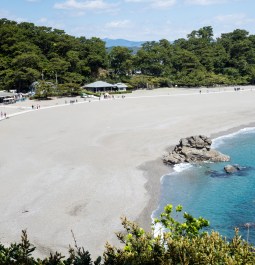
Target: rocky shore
194,149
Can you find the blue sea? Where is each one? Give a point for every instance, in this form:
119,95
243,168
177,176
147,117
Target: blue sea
227,201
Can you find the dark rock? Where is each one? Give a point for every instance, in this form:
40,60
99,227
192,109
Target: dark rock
194,149
217,174
232,168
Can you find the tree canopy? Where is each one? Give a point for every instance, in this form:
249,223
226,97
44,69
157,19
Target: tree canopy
31,53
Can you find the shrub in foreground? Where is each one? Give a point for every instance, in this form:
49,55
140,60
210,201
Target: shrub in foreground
175,243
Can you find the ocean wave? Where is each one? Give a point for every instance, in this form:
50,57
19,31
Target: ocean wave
177,169
181,167
158,230
158,227
221,140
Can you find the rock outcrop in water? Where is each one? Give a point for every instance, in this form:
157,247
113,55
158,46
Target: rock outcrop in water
232,168
194,149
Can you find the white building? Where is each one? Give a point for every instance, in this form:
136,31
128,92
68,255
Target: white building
121,87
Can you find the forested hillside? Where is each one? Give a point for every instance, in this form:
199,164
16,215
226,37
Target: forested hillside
31,53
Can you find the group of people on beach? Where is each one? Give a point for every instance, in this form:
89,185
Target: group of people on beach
36,107
3,115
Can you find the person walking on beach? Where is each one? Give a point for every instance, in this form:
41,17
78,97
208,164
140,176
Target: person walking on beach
5,115
1,114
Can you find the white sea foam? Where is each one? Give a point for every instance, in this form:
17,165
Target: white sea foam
248,130
177,169
158,228
220,140
181,167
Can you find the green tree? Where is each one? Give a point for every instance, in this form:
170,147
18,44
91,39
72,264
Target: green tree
149,60
185,61
57,67
93,50
120,59
69,89
44,90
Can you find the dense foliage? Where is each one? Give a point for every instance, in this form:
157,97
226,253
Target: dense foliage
174,243
31,53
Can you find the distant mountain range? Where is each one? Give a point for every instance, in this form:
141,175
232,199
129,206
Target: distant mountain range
121,42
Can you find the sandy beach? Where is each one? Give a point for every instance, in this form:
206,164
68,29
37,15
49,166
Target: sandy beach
82,166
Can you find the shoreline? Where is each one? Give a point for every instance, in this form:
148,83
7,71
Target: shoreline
151,171
232,130
153,184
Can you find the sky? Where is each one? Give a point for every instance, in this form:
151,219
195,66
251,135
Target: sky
135,20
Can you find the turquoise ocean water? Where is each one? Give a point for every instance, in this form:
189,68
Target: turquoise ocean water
227,201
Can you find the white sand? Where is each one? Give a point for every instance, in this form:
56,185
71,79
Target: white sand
80,167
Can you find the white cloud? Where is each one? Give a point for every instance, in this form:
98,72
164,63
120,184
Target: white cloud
43,20
163,3
229,22
6,14
205,2
83,5
168,3
118,24
135,1
234,19
32,1
155,3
